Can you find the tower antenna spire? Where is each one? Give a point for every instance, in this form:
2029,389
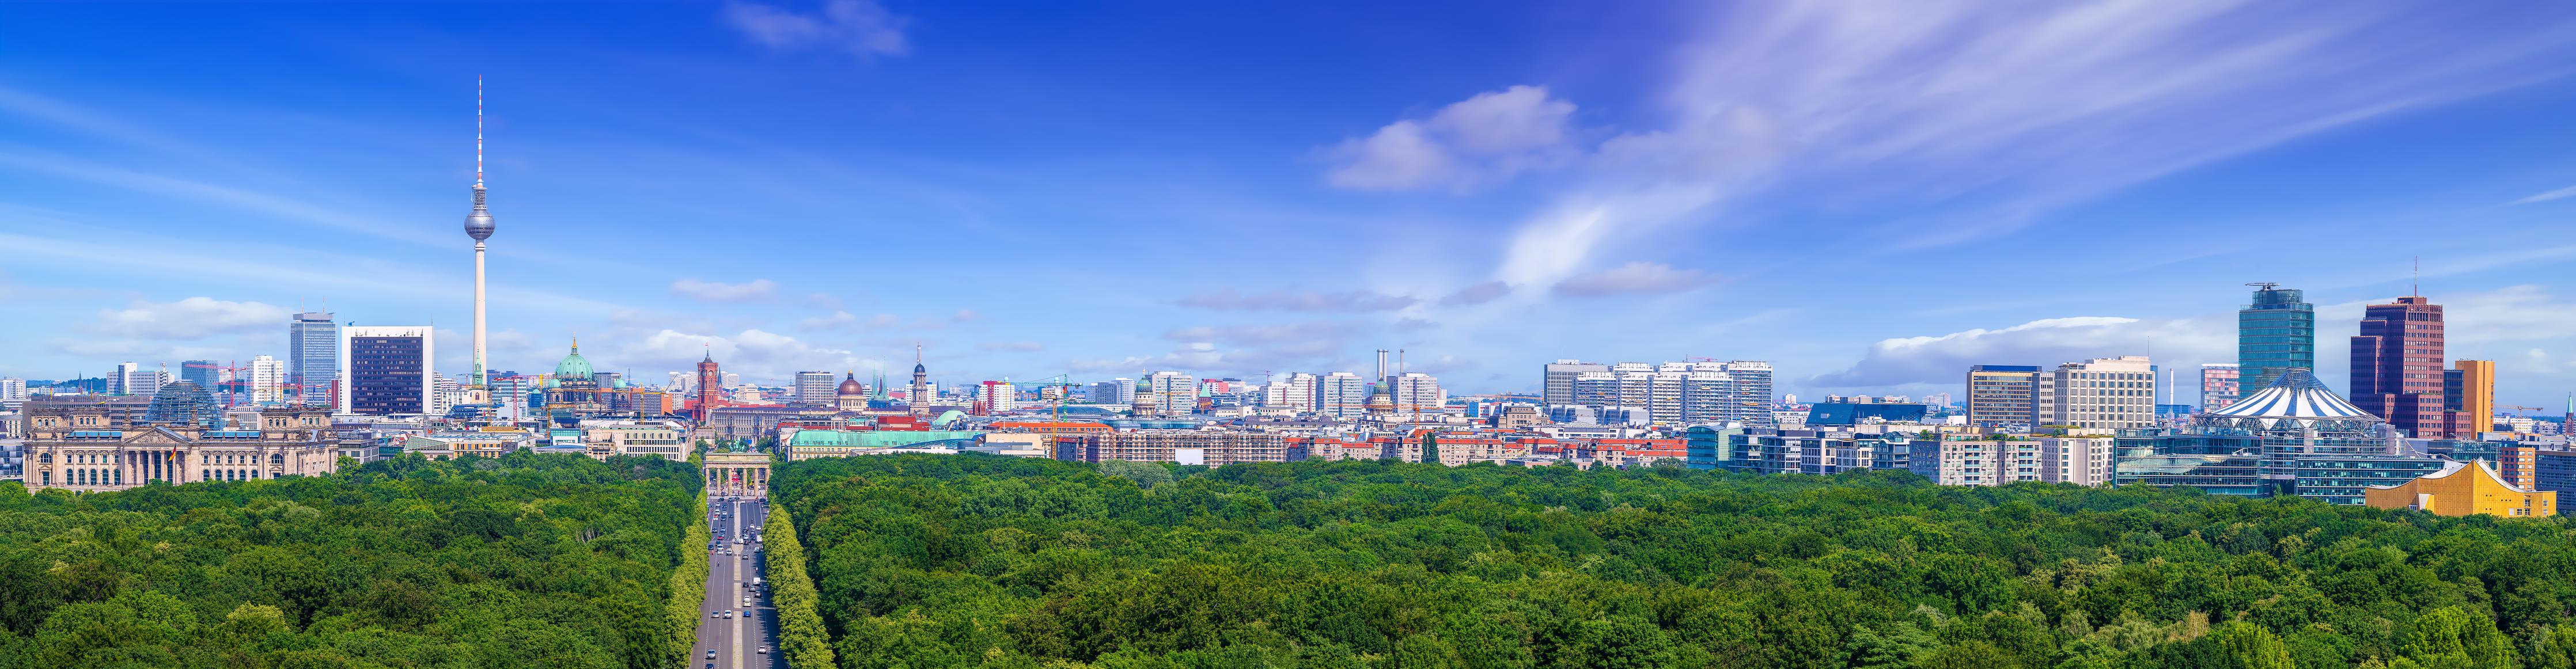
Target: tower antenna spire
478,131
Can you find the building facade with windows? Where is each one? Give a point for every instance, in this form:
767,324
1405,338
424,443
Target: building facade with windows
2000,395
2102,393
312,358
2275,332
388,370
86,447
2397,365
2219,385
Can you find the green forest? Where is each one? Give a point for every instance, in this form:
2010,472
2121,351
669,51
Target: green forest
928,561
520,561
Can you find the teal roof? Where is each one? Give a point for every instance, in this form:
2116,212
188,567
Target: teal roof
875,438
573,366
949,417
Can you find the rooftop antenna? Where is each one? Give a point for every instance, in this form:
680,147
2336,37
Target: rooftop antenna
2419,276
2264,285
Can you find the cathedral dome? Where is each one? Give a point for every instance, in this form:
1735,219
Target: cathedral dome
850,386
573,366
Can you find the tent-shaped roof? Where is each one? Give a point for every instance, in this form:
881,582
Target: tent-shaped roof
2295,394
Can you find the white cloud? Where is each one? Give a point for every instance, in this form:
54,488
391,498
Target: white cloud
1480,139
1944,359
1982,116
2511,314
1634,278
861,27
710,291
1011,346
1357,300
191,318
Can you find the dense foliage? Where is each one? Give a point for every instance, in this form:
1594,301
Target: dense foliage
688,590
801,639
521,561
991,562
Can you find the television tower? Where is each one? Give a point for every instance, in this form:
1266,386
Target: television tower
478,225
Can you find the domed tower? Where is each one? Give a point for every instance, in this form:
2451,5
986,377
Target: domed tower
575,370
920,397
852,395
1146,404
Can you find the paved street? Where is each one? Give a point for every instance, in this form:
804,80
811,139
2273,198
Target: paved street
736,640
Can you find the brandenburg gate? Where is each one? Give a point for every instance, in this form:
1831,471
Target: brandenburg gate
736,473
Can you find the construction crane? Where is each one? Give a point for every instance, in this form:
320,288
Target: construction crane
1064,383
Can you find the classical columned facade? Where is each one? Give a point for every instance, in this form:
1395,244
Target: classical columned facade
736,473
82,449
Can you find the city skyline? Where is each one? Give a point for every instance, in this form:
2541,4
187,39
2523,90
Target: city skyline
1435,210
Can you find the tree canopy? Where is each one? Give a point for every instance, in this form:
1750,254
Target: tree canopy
961,561
521,561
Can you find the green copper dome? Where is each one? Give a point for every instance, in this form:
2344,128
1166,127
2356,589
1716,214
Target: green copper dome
573,366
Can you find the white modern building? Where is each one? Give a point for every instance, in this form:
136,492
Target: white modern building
1417,393
267,380
1175,393
1297,392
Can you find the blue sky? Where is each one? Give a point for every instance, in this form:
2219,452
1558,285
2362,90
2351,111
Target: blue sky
1870,195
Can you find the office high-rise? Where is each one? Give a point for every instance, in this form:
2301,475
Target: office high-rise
312,358
2107,393
1341,395
2219,385
388,371
2468,398
1557,382
2275,333
2003,395
817,388
2397,365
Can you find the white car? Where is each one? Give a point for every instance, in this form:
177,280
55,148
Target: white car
763,650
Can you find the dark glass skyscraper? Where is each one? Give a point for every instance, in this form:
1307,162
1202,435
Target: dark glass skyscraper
2275,333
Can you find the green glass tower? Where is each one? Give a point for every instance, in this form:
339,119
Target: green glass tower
2278,331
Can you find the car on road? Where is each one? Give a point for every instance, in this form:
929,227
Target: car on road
764,650
715,614
711,653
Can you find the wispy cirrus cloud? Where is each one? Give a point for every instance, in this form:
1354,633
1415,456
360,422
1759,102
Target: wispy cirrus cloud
190,318
1476,294
862,28
1356,300
756,290
1941,359
1635,278
1984,117
2562,193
